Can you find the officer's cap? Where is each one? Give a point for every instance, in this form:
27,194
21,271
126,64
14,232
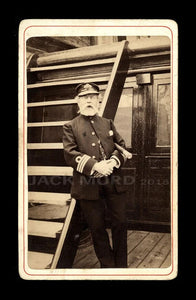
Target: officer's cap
87,88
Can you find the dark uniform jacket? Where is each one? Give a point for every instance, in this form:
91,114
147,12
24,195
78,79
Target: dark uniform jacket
81,151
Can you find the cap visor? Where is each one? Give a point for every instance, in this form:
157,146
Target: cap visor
87,93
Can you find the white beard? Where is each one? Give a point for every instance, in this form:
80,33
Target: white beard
88,111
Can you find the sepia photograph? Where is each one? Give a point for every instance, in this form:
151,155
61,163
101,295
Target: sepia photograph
97,149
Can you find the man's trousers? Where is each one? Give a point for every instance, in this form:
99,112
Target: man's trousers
94,214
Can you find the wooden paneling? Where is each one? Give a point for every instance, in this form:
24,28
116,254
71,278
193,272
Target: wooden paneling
156,185
148,197
155,181
126,119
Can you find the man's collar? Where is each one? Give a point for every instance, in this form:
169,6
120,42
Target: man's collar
89,117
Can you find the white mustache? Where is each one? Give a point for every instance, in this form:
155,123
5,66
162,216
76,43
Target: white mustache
87,106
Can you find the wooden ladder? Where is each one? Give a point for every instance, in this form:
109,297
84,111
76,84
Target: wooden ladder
54,206
52,78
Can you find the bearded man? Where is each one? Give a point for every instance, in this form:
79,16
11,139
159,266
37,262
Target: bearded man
89,148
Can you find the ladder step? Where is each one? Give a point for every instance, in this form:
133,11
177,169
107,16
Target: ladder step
46,124
48,198
44,228
39,260
48,212
50,171
35,146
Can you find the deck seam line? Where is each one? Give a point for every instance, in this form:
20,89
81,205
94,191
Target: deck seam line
165,258
138,243
151,250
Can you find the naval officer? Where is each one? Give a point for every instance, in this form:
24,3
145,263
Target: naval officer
89,148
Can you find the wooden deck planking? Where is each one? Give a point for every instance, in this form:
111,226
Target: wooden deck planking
167,262
145,250
134,239
157,255
86,257
137,255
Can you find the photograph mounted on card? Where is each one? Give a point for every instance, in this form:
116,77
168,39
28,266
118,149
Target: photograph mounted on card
98,149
